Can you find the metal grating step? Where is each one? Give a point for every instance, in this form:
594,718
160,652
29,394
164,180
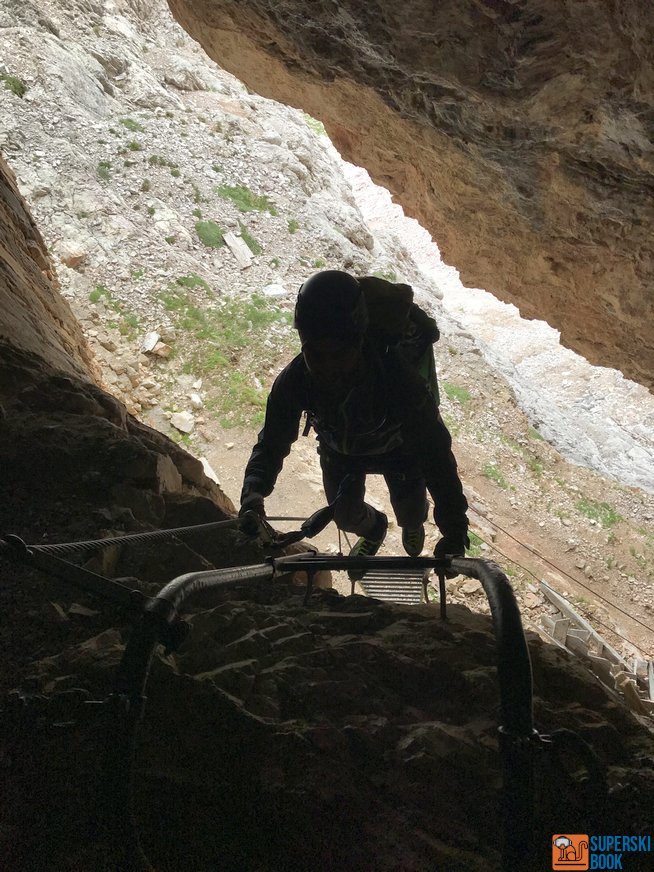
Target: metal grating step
395,587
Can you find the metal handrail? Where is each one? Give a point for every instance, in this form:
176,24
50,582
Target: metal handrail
517,737
514,672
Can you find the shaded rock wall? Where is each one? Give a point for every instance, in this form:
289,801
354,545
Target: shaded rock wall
519,133
342,735
36,321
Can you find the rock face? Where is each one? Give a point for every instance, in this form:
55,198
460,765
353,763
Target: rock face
520,134
35,318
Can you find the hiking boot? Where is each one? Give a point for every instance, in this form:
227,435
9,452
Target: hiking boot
413,540
368,547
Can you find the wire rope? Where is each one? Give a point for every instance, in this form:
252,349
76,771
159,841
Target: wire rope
567,575
590,617
148,536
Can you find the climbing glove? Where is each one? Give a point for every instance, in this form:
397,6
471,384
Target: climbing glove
452,545
253,502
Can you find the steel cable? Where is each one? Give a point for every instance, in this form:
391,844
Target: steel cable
149,536
590,617
567,575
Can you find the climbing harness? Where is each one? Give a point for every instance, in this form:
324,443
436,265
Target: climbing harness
159,620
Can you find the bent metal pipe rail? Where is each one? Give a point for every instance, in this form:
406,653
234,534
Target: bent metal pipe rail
161,616
517,736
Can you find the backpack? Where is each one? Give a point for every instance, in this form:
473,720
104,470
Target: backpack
396,321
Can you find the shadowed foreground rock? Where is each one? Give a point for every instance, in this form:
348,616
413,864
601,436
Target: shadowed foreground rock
346,735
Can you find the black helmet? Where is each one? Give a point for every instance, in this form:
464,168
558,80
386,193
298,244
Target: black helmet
331,304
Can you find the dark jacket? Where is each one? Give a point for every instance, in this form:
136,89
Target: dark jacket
390,414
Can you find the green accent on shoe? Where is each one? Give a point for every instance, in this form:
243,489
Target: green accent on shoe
413,540
364,547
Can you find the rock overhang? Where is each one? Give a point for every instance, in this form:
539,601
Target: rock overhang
520,134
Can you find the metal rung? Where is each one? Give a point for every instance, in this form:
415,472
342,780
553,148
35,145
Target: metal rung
416,575
394,586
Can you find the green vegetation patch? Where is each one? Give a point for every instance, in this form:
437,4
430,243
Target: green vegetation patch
317,126
254,246
239,404
192,281
493,473
224,343
293,225
233,323
534,462
103,170
128,324
98,292
209,234
155,160
245,200
133,145
474,549
13,84
132,126
180,438
454,392
598,511
197,193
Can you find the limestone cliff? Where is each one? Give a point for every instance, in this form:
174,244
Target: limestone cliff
36,321
519,133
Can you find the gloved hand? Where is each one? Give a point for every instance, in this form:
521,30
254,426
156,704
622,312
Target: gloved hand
253,502
452,545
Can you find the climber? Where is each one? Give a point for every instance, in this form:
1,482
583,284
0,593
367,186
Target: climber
372,413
